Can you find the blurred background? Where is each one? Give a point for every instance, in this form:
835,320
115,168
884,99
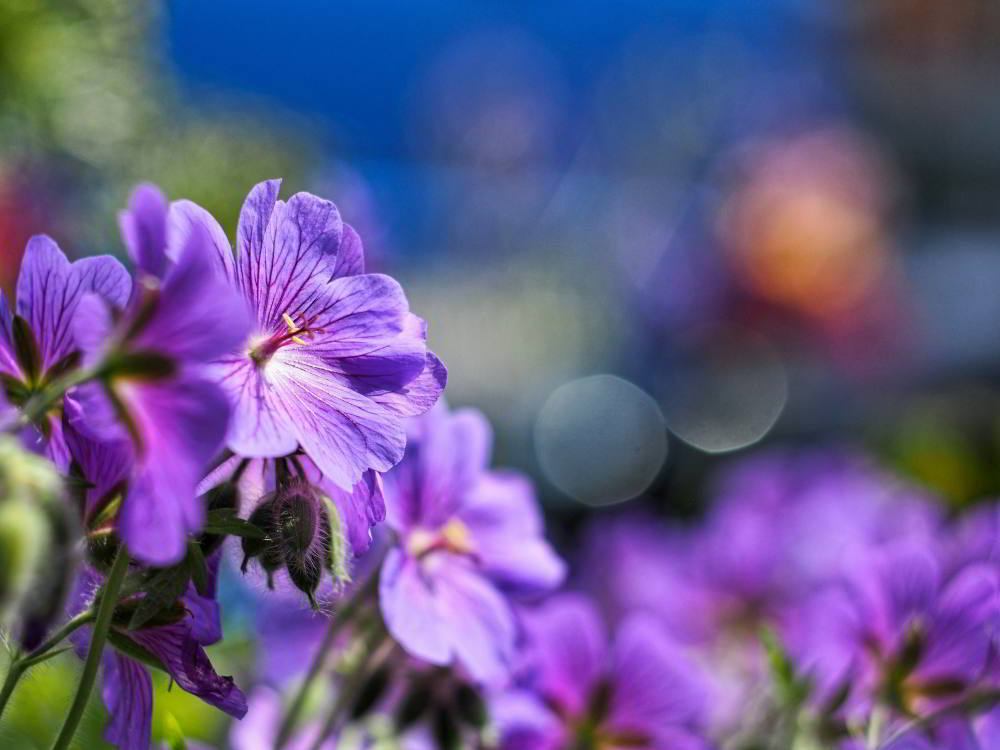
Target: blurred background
647,234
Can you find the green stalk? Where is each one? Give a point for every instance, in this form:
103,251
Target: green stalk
340,618
19,665
38,405
109,600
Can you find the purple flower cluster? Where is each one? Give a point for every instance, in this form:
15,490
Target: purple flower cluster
883,613
269,403
156,393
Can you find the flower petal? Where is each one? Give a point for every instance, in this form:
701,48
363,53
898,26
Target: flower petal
182,423
501,512
127,691
570,647
440,610
644,661
255,215
182,218
49,289
343,432
190,667
144,229
198,317
260,426
298,249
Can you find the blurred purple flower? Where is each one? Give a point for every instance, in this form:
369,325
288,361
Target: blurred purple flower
781,524
38,346
899,631
155,394
640,691
466,538
334,360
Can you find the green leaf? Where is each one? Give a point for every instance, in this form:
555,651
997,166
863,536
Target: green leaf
225,521
162,590
339,552
790,687
198,568
133,650
173,735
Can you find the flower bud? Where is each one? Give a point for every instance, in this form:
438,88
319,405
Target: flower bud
30,506
301,534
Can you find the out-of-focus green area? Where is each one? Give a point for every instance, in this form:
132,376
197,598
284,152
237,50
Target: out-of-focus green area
86,111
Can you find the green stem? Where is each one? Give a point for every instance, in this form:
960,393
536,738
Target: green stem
10,682
341,617
19,665
875,724
106,608
38,405
378,648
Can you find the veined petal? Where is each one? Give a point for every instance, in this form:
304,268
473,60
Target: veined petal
260,426
8,360
254,217
360,508
298,248
350,255
49,289
182,218
343,432
127,691
190,668
143,227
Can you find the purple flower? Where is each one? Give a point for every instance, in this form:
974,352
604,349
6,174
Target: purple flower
155,394
334,361
176,645
901,632
467,537
640,691
37,346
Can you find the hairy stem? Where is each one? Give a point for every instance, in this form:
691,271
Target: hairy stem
20,664
341,617
102,623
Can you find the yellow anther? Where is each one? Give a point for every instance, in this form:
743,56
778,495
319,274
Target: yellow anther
299,340
456,535
292,327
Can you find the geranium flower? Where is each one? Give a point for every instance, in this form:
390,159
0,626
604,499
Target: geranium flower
467,537
155,392
334,361
38,346
902,633
639,691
